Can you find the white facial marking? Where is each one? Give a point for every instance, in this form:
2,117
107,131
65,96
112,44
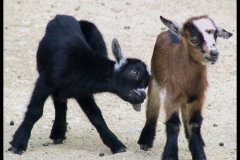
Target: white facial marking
203,25
117,66
139,90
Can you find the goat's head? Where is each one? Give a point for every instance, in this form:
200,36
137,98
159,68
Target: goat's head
131,77
199,34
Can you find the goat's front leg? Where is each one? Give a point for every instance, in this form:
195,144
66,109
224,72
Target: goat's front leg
152,112
59,127
172,129
94,114
196,143
33,113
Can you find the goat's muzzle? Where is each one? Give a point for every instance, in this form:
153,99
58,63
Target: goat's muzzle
213,57
214,54
139,96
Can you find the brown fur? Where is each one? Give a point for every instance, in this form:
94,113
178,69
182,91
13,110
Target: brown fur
179,69
176,68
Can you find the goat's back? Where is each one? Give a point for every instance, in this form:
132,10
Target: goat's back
63,39
68,51
166,45
67,40
93,37
64,33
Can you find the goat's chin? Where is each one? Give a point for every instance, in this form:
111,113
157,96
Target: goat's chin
210,61
135,101
134,98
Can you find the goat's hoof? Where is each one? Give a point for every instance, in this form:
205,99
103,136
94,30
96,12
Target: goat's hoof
170,158
144,147
15,150
123,149
201,157
119,149
58,141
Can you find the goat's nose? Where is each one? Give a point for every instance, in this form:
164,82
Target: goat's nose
143,94
214,53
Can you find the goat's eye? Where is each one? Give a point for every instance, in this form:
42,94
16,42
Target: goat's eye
134,73
194,41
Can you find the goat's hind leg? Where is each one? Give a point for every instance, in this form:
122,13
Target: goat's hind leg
59,127
152,112
94,114
93,37
33,113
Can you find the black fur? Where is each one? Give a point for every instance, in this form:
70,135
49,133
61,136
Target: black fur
172,130
72,62
174,38
196,142
194,32
147,135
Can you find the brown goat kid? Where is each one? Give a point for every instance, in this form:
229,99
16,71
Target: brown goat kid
178,69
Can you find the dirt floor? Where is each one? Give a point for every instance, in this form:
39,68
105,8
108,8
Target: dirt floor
136,24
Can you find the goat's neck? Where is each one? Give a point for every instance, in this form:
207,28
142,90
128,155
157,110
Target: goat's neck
105,79
190,73
96,76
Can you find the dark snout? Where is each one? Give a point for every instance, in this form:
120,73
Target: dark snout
135,97
142,94
139,94
214,54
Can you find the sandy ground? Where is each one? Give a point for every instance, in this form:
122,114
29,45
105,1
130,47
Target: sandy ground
136,24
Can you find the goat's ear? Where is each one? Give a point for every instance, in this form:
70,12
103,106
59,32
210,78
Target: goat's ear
172,25
118,54
223,33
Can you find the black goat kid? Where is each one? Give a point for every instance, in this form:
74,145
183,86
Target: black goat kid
72,62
